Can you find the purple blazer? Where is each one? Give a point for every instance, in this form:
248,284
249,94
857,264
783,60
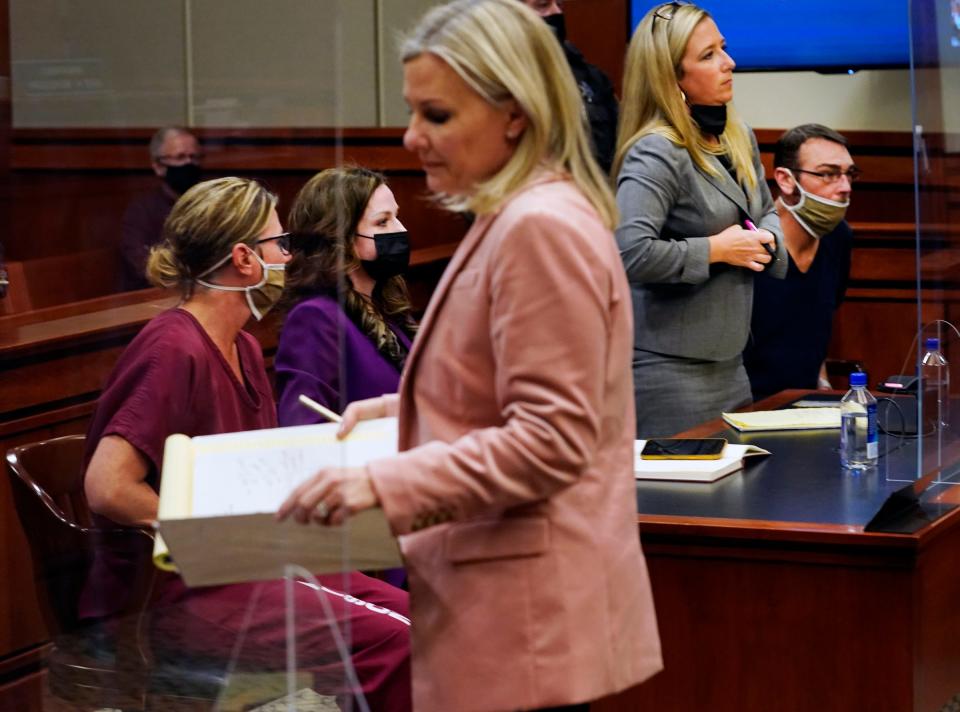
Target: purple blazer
324,355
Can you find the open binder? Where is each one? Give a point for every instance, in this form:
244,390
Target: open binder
219,493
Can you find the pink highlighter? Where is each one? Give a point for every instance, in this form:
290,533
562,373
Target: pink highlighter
766,245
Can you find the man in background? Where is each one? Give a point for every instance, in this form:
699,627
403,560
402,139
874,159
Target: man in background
595,88
793,317
175,158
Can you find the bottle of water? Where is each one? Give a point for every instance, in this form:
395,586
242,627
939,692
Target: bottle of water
858,425
935,382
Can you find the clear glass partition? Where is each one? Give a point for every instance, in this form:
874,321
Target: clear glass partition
271,617
935,74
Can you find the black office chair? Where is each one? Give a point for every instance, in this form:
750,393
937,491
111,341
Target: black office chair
91,665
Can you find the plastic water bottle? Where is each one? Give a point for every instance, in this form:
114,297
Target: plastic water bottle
935,382
859,445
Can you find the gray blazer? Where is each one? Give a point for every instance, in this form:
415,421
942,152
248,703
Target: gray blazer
682,305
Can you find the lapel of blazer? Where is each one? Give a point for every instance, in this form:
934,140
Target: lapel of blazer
466,248
725,183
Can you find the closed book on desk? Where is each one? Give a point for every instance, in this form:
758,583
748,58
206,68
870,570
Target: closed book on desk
219,494
692,470
786,419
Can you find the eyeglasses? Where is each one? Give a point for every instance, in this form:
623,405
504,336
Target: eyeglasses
180,158
283,242
666,12
833,175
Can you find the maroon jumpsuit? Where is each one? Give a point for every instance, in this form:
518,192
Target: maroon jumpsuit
173,379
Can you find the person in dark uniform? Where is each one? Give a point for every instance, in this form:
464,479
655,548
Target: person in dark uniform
793,318
595,87
175,158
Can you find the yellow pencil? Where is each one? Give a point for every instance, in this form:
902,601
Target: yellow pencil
317,408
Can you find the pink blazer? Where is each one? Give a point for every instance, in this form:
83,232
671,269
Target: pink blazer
515,491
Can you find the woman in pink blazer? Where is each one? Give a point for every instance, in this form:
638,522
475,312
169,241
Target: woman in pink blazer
513,494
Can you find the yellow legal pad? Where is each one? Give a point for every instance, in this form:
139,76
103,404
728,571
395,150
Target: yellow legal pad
787,419
219,493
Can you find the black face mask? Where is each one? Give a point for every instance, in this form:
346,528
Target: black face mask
558,24
393,255
710,119
182,178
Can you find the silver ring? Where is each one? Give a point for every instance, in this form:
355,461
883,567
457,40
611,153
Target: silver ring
322,510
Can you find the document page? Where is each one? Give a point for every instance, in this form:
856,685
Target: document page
254,472
787,419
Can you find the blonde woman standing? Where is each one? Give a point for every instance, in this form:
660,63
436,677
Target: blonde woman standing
697,221
514,487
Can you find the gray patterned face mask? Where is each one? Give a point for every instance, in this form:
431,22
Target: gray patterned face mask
818,216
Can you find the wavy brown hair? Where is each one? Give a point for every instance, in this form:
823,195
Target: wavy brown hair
323,220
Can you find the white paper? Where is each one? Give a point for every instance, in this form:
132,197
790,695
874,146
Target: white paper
695,470
254,472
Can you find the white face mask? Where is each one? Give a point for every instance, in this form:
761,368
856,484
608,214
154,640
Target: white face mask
818,216
261,296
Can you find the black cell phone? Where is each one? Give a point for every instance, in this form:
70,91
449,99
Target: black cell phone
683,449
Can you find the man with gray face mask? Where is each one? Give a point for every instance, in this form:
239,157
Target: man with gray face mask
793,317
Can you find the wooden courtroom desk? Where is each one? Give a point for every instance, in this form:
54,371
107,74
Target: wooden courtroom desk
770,596
53,363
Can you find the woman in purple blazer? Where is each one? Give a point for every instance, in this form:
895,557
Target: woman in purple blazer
348,326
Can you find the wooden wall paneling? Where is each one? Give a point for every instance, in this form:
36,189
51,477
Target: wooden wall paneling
101,169
90,201
746,629
937,665
60,212
877,330
25,694
21,625
18,296
882,203
600,29
6,130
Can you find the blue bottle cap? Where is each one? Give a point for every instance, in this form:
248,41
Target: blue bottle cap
932,344
858,378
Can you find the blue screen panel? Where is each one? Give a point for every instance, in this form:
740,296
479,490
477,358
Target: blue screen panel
808,34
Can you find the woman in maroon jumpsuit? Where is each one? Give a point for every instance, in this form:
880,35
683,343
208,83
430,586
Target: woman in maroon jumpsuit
193,370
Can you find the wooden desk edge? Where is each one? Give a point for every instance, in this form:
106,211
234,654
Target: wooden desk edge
805,532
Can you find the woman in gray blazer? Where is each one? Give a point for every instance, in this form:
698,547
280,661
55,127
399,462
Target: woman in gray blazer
697,221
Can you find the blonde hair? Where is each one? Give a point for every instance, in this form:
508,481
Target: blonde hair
503,50
653,103
205,223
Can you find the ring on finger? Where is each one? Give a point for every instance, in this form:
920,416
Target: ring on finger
322,510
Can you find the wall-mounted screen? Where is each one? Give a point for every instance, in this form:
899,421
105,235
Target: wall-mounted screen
808,34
